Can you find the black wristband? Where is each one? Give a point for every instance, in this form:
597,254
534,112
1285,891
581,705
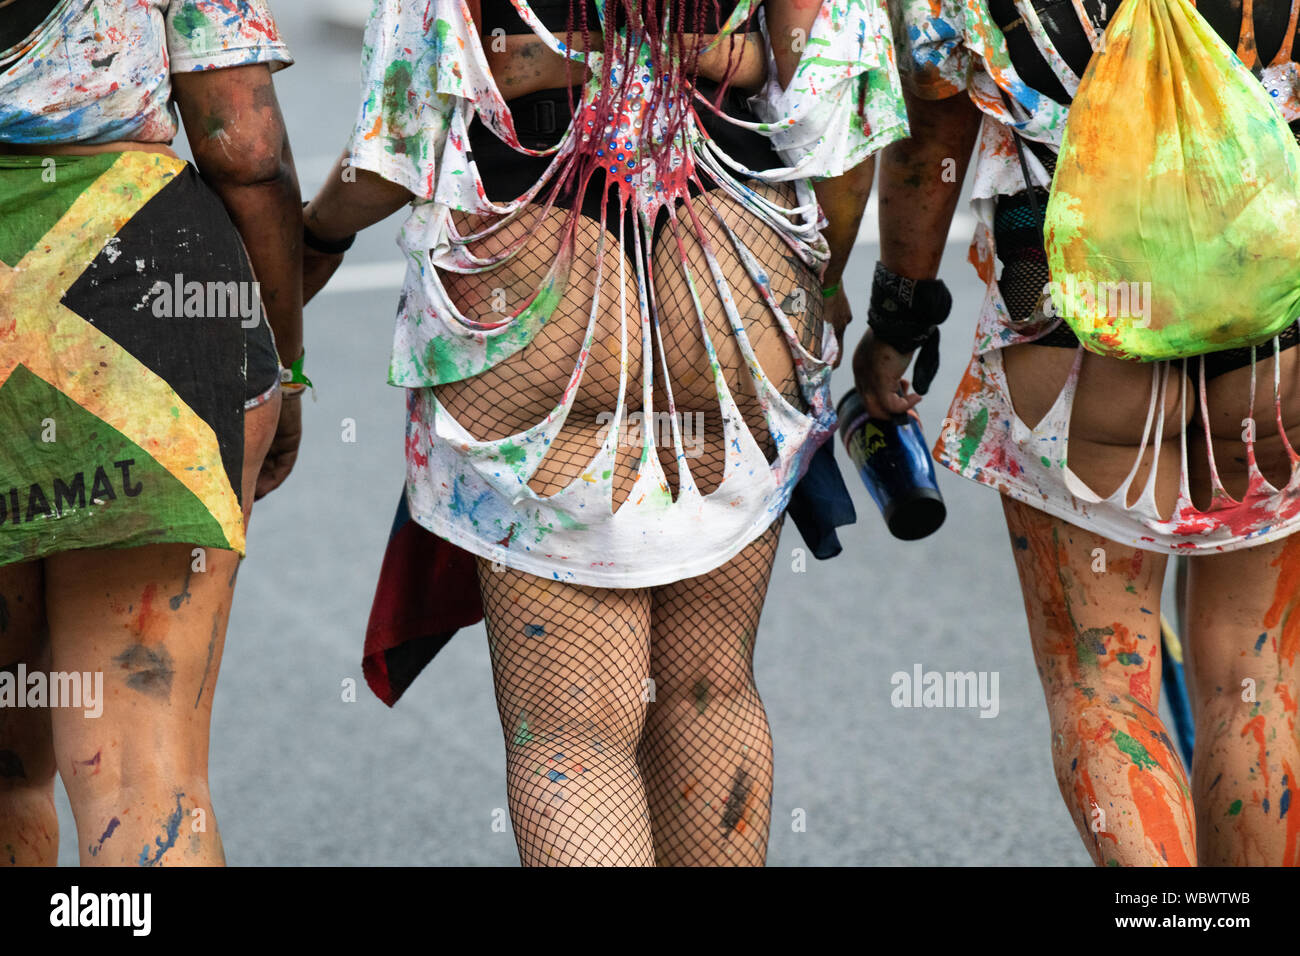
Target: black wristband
905,311
326,246
906,314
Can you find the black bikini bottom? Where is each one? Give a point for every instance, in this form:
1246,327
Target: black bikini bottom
540,121
1019,241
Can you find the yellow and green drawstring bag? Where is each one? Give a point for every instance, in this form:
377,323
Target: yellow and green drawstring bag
1173,227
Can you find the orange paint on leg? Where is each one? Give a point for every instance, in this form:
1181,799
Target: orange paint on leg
1157,819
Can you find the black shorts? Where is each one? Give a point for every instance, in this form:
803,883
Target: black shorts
133,321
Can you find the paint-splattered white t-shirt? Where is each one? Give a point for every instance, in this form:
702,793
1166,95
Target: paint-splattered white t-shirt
99,71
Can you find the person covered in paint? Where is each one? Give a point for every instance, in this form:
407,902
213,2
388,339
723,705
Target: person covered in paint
141,404
617,330
1091,532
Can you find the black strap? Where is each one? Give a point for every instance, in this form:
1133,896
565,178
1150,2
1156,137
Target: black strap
1024,165
906,314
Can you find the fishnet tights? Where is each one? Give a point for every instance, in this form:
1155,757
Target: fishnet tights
634,733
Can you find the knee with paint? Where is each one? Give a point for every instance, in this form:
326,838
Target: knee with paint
701,694
597,732
29,825
153,826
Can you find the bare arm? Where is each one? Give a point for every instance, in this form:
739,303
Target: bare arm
917,201
236,132
237,135
349,201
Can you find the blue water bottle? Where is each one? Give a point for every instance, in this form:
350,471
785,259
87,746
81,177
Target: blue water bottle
895,464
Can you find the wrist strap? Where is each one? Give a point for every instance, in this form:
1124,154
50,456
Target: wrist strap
906,314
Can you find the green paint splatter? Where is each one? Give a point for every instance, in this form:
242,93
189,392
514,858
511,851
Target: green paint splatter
1090,645
523,735
972,436
1136,752
511,453
1235,808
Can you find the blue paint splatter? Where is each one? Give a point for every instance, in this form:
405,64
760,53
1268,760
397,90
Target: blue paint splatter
534,630
112,825
168,840
1260,643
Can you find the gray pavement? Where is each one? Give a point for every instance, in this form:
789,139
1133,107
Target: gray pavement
301,777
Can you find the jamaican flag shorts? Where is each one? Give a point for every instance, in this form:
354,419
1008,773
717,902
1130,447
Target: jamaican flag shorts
132,339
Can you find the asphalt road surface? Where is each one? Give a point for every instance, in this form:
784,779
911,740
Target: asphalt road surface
300,776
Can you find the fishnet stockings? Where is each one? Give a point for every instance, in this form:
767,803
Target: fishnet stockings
634,733
706,754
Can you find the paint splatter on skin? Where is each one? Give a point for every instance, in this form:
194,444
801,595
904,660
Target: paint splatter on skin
150,623
11,766
701,694
149,670
176,601
207,668
168,840
92,763
1135,751
99,844
1110,749
534,630
734,810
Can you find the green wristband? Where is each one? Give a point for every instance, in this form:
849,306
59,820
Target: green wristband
294,375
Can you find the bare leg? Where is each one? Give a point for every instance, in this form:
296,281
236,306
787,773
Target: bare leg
1096,640
29,828
1244,634
154,626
